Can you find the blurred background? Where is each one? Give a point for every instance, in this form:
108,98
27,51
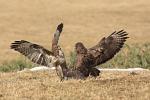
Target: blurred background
84,20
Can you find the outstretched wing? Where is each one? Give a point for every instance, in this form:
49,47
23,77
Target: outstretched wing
34,52
108,47
57,52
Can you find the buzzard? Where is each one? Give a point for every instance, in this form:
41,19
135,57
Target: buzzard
86,58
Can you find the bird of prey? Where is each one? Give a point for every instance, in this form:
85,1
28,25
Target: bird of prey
104,50
40,55
86,58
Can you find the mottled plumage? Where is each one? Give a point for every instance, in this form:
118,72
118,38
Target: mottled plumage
34,52
108,47
86,60
42,56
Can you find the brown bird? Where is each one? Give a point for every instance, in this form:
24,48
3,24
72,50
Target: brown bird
42,56
86,60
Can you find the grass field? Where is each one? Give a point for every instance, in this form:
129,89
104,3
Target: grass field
46,86
85,21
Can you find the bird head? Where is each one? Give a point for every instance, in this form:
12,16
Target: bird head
80,48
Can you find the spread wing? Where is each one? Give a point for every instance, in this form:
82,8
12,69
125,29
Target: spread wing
34,52
108,47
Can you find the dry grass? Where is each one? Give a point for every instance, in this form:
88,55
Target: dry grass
46,86
86,21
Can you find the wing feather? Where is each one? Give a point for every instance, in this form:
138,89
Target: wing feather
108,47
34,52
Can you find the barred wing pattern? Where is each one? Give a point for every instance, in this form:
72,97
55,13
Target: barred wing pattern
34,52
42,56
86,61
108,47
